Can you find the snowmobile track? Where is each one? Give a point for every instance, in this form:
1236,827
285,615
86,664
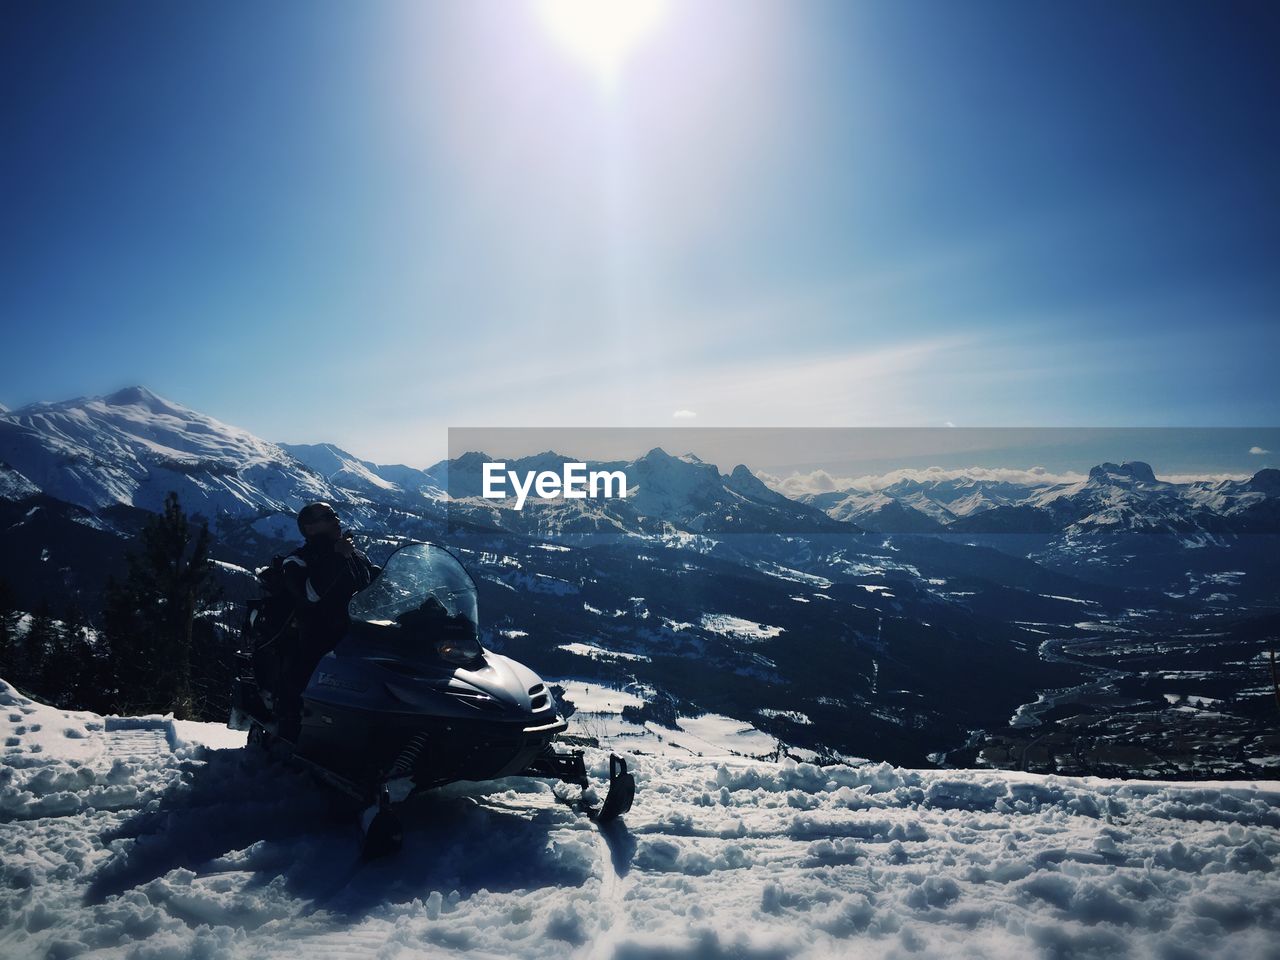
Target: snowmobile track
613,918
612,921
137,743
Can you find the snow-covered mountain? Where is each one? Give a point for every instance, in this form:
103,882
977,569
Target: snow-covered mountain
665,494
1114,498
877,510
962,495
132,447
1253,504
376,481
13,485
149,837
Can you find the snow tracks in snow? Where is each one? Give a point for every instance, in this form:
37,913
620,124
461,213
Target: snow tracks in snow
130,839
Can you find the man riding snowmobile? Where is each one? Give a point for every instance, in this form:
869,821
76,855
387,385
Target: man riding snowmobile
321,577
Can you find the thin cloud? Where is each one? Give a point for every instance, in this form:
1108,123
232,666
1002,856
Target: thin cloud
1258,451
819,481
1181,478
683,415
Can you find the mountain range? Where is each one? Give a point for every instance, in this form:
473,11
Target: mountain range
897,623
1114,497
130,448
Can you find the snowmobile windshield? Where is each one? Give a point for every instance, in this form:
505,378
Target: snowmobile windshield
422,588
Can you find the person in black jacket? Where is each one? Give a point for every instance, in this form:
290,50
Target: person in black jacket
322,576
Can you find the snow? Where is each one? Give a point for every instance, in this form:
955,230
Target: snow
738,627
234,569
150,838
1054,596
340,467
795,576
600,653
595,698
795,716
717,735
14,486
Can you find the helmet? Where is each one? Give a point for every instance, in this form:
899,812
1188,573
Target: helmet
313,512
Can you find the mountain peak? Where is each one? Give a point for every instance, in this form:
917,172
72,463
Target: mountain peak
128,396
1266,481
139,396
746,483
1132,471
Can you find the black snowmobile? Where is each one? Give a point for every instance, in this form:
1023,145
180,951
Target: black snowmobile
410,700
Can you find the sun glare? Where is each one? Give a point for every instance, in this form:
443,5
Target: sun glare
601,34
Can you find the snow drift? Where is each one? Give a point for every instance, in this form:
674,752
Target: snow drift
152,838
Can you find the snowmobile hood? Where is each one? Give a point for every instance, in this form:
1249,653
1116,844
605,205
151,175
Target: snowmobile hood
508,683
493,688
501,678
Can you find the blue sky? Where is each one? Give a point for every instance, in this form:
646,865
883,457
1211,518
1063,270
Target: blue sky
365,223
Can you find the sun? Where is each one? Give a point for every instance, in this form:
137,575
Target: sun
601,34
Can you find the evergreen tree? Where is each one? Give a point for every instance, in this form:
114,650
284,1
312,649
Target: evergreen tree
84,662
148,619
34,648
213,646
59,670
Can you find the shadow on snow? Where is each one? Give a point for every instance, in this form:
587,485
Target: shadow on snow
236,811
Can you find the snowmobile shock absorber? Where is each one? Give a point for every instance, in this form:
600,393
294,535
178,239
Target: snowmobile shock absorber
408,757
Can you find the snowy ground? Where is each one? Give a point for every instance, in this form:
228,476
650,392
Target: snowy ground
149,839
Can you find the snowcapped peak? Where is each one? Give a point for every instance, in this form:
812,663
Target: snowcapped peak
471,458
340,467
133,396
1131,471
658,463
132,447
657,458
321,457
743,481
546,460
141,406
1266,481
142,399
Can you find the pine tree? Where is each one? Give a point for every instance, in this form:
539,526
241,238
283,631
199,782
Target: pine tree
148,618
34,648
84,662
213,648
59,669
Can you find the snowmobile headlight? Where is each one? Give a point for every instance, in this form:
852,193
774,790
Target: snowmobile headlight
462,649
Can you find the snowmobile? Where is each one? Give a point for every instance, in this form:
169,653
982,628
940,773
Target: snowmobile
409,700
